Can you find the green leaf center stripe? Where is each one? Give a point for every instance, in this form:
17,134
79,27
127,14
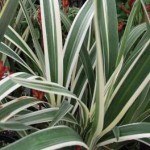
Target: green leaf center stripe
58,41
52,39
50,51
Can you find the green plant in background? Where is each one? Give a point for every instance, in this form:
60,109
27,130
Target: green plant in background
96,86
124,8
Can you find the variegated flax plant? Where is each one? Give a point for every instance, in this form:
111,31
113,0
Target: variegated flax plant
96,86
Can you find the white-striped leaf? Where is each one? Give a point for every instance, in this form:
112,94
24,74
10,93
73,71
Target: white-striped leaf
17,40
14,126
48,139
41,116
7,15
37,46
7,85
75,39
63,110
128,132
54,88
11,108
107,25
9,52
52,38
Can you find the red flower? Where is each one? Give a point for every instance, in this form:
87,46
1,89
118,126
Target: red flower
3,69
39,16
65,3
130,3
120,26
77,148
39,20
148,7
122,6
38,94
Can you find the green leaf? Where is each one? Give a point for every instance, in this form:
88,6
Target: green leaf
45,86
65,20
75,39
63,110
129,132
134,36
116,133
52,38
80,81
98,122
19,17
11,108
9,52
110,85
144,115
107,26
7,15
13,126
37,46
7,85
54,88
142,42
17,40
41,116
86,61
145,13
138,108
48,139
124,39
133,83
